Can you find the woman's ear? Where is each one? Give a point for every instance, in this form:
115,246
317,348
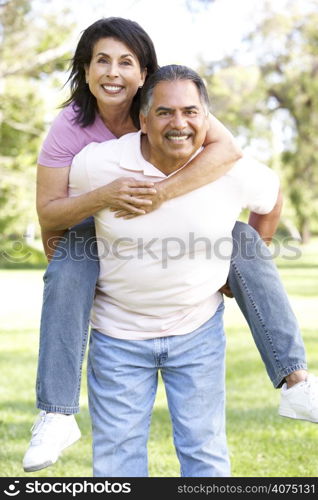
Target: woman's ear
86,69
143,77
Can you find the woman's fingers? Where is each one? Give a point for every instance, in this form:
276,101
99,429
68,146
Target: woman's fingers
131,209
131,182
136,202
137,191
127,215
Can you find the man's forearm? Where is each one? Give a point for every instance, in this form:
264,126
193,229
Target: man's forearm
266,224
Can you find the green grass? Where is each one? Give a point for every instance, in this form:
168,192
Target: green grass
261,443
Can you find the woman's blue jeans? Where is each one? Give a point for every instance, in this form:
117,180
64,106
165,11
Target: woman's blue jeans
69,288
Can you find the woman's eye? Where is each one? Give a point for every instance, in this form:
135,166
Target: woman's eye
126,63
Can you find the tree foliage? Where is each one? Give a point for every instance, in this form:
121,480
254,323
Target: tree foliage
33,46
281,86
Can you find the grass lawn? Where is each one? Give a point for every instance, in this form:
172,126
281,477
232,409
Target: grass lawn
261,443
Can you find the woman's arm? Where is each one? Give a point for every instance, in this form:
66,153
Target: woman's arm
57,211
218,156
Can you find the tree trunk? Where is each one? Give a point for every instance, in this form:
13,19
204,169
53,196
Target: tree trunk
305,231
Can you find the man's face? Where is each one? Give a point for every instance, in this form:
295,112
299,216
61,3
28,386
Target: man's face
176,124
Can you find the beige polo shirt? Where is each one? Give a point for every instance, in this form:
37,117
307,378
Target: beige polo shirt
160,272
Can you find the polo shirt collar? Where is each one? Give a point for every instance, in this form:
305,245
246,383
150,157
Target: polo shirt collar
131,157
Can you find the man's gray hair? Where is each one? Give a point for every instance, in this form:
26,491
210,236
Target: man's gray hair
170,73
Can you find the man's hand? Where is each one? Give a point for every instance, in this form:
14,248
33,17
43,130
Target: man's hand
266,224
226,290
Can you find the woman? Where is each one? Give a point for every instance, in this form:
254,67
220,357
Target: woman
113,58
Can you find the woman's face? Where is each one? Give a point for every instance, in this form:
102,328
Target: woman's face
114,73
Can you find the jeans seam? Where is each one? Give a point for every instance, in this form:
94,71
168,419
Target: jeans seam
175,443
84,346
281,370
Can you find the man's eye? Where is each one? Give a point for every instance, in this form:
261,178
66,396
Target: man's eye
163,113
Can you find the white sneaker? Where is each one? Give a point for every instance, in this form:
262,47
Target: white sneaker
301,400
51,433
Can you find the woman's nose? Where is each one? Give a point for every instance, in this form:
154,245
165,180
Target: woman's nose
112,70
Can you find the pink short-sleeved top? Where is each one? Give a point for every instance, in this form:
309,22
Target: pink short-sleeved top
66,138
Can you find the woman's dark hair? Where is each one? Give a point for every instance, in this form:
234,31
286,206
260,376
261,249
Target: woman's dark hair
127,32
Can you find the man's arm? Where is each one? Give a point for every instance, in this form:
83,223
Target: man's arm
266,224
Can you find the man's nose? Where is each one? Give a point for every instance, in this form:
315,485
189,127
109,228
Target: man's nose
178,121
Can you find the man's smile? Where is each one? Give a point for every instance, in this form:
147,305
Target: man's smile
178,137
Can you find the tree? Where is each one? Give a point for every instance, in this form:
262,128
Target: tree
281,86
291,78
33,46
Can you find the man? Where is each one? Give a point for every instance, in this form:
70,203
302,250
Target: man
157,305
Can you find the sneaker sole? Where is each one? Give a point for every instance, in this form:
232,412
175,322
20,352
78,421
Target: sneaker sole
293,415
34,468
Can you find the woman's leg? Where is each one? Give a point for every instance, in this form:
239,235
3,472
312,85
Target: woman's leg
70,281
258,290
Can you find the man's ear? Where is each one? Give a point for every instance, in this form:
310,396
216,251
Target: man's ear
143,123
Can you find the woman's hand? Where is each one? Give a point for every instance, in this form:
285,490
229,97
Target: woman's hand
149,201
57,210
128,195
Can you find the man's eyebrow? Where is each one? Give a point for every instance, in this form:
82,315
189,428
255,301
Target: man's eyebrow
163,108
187,108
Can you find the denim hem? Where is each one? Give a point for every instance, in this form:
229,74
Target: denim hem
65,410
280,379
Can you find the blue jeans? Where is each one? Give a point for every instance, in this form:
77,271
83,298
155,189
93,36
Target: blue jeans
259,293
69,289
122,385
70,282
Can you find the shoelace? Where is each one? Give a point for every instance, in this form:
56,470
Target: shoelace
40,427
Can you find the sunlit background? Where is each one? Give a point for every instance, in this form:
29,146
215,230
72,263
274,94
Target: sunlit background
259,60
